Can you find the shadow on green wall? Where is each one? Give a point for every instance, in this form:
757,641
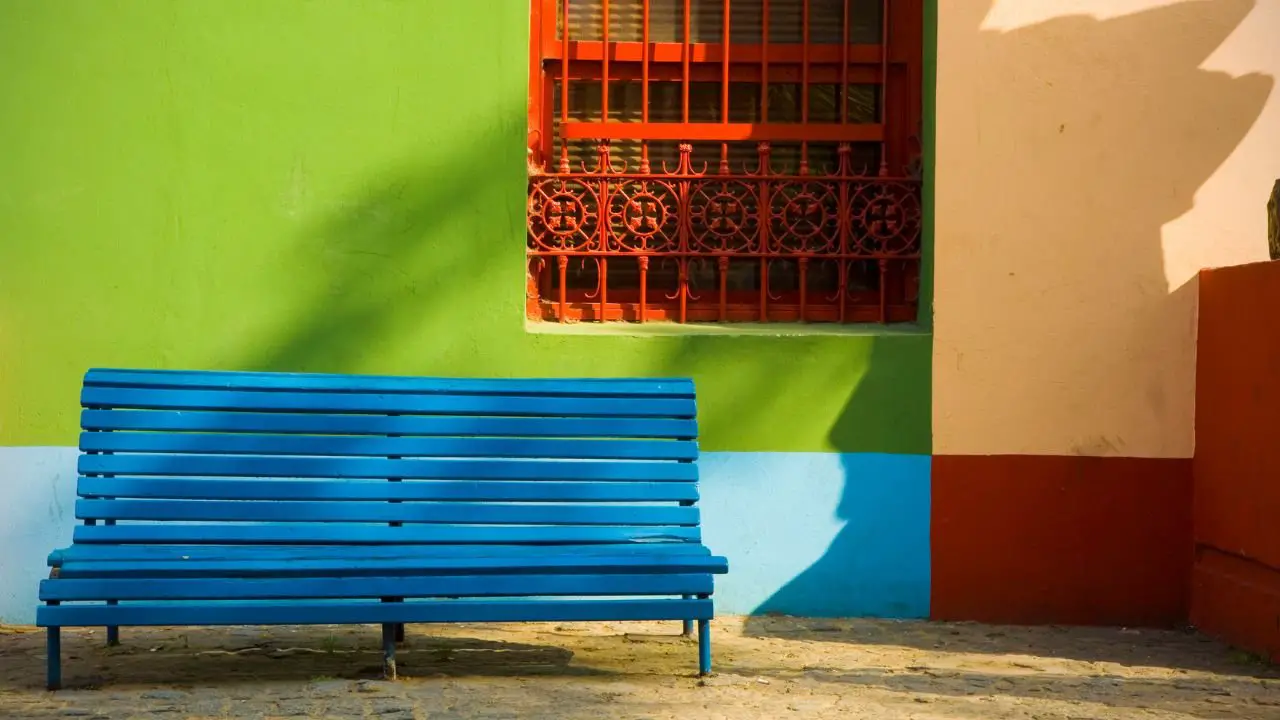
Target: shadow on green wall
422,272
397,265
877,564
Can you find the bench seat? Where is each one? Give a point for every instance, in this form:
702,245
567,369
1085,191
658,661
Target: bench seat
265,498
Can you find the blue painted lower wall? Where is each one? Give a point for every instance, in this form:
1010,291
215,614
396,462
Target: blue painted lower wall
36,516
818,534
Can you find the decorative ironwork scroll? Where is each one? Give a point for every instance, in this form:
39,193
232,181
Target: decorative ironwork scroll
703,166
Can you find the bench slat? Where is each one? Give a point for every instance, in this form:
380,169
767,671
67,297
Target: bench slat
413,512
288,554
408,425
374,587
499,405
223,380
301,533
310,467
318,445
361,567
296,613
440,490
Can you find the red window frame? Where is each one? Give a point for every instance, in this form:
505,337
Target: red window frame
663,228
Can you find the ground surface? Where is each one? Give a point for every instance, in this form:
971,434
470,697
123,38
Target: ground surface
766,668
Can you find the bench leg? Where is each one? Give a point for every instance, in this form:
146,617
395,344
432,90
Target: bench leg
398,626
389,650
704,647
53,678
113,632
687,625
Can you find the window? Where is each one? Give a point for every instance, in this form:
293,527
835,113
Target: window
724,160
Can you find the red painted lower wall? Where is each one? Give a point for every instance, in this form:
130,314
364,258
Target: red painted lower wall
1237,600
1236,577
1061,540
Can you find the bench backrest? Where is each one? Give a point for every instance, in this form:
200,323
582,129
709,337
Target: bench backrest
226,458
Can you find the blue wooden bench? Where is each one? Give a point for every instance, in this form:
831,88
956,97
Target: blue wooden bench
219,498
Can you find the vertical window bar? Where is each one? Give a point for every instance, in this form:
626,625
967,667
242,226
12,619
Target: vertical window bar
547,143
564,113
884,143
644,145
843,278
764,289
535,83
604,287
884,290
723,265
604,63
764,70
544,278
844,65
531,284
606,161
683,275
686,155
765,221
644,82
604,165
563,262
644,285
724,90
686,50
763,165
804,82
845,172
804,289
884,85
844,161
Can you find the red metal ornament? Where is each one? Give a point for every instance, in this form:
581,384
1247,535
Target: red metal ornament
795,237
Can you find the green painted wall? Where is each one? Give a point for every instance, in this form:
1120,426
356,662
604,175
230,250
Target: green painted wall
330,186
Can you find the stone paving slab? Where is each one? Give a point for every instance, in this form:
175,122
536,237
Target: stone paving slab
766,668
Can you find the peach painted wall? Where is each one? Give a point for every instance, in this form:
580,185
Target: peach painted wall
1092,156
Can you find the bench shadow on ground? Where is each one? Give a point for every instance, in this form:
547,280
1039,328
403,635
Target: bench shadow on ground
208,656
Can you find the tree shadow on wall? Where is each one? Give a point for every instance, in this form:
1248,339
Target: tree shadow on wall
394,270
774,510
1067,145
877,564
1075,174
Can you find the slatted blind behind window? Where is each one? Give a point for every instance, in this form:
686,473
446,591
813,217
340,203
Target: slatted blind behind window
704,106
706,21
666,21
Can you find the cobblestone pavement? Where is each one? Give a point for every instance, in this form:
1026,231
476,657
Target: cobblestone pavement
766,668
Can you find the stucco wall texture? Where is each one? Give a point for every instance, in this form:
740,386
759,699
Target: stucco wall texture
1092,156
335,187
321,186
340,186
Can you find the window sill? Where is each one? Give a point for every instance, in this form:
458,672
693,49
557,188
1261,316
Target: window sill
669,329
